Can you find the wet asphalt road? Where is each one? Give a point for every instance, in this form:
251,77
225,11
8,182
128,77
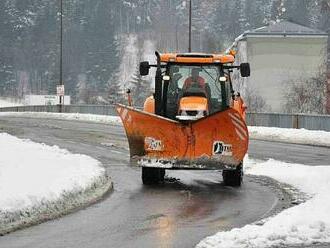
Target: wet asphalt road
175,214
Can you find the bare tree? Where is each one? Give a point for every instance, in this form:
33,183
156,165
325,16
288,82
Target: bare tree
254,101
306,95
251,96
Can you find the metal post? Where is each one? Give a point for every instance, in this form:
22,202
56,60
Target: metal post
158,87
61,49
295,123
327,106
190,20
176,38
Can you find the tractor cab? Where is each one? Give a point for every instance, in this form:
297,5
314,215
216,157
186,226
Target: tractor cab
191,86
195,91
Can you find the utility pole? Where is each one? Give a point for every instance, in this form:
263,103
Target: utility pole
190,19
61,85
61,44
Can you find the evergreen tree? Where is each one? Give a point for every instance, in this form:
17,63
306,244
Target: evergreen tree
30,36
297,11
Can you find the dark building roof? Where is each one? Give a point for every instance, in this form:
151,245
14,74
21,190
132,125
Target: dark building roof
285,28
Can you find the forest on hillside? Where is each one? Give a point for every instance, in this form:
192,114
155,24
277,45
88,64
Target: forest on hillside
105,39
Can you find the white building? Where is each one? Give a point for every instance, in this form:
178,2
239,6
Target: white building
279,53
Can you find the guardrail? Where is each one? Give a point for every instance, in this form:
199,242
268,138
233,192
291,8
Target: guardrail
83,109
311,122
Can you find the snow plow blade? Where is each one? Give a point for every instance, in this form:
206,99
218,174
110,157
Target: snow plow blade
217,141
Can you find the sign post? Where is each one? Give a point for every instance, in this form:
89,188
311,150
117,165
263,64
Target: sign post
60,93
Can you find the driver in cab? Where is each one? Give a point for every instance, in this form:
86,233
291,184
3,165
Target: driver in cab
194,80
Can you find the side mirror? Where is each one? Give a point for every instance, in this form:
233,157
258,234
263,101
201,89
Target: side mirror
245,69
144,68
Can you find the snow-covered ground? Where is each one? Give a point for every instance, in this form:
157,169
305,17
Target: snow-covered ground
6,102
304,224
39,182
106,119
289,135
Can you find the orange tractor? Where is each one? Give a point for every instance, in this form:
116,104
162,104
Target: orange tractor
192,120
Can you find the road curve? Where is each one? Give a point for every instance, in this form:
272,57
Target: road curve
175,214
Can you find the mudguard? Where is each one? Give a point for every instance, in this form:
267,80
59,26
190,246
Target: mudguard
216,141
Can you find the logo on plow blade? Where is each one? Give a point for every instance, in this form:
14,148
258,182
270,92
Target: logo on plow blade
220,148
152,144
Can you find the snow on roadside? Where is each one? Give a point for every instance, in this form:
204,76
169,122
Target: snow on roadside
39,182
290,135
105,119
304,224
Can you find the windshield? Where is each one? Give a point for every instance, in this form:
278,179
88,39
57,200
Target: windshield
183,74
198,80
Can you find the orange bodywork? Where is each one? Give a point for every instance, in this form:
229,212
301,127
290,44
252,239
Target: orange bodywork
193,103
240,107
213,58
216,141
149,105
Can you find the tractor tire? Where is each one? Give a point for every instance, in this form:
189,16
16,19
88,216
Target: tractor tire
162,175
234,177
152,176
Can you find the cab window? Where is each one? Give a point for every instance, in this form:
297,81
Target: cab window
204,77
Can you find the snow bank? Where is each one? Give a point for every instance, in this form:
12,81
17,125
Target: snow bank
106,119
290,135
39,182
304,224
